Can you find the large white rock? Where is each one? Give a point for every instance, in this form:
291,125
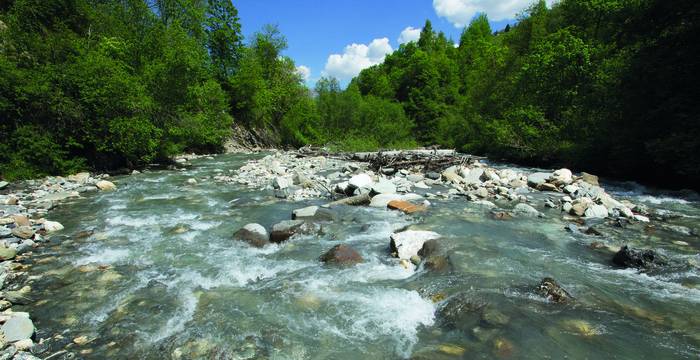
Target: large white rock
382,200
596,211
471,176
281,182
383,187
105,185
52,226
563,176
408,243
537,178
360,180
18,327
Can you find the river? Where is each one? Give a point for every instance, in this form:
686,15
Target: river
159,276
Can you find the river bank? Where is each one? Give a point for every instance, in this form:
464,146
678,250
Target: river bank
172,235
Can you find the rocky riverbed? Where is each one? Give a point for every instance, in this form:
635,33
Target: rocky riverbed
287,255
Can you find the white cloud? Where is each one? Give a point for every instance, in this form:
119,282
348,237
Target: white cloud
304,72
356,57
461,12
409,34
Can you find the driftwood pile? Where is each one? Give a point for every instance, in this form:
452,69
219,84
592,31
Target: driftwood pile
426,160
388,162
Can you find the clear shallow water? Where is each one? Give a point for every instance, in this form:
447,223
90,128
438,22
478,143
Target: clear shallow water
161,278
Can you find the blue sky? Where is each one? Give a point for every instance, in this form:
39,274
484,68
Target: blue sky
340,37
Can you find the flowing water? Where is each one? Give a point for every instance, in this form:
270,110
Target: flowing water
160,277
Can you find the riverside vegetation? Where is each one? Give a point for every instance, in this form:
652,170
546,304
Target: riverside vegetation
607,86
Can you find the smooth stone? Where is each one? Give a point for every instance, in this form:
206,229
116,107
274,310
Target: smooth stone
253,234
18,327
281,182
23,232
52,226
639,259
525,210
590,178
80,178
407,243
562,176
7,253
432,175
342,255
3,184
105,185
191,181
382,200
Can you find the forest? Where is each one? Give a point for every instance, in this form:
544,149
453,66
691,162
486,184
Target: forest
604,86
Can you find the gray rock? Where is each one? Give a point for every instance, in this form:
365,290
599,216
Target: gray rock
60,196
382,200
18,327
414,177
525,210
253,234
536,179
432,175
342,255
3,184
472,176
407,243
5,232
288,228
313,213
281,182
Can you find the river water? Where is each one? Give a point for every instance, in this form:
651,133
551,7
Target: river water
161,277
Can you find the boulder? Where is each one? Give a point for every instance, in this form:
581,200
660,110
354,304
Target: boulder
405,206
382,200
383,187
3,184
288,228
579,206
525,210
472,176
451,175
191,181
639,259
407,243
342,255
105,185
561,176
538,178
253,234
552,291
21,220
281,182
589,178
52,226
7,253
79,178
60,196
359,181
18,327
437,263
415,178
313,213
23,232
596,211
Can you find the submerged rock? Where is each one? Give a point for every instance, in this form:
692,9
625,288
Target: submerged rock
253,234
551,290
461,311
407,243
342,255
639,259
525,210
